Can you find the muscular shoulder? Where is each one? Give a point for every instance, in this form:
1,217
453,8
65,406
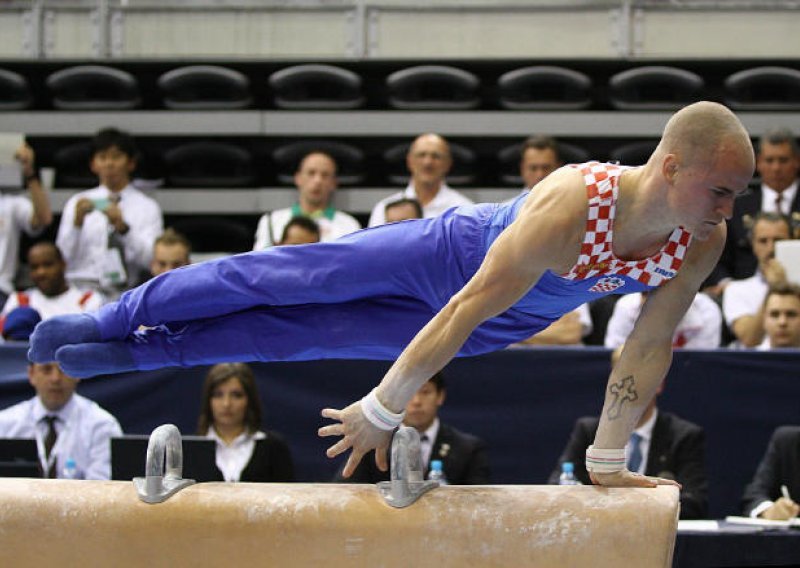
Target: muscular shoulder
554,216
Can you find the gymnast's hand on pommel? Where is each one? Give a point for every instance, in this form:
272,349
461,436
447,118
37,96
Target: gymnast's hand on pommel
625,478
358,434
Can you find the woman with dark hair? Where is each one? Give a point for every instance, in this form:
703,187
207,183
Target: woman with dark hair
230,414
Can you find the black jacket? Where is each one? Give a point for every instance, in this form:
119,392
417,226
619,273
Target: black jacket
271,461
677,451
779,466
465,460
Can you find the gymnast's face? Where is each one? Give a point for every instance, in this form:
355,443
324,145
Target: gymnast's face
229,403
422,409
53,387
707,187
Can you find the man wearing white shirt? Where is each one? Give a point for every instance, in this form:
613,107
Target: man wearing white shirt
315,179
51,295
743,300
782,318
700,327
428,160
82,430
107,233
19,213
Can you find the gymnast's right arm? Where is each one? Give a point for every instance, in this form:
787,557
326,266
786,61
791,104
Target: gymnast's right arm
546,235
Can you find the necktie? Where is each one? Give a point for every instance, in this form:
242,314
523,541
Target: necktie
635,459
778,203
49,442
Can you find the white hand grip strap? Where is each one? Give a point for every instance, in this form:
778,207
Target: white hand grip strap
380,416
604,461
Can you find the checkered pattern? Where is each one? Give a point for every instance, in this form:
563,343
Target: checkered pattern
596,257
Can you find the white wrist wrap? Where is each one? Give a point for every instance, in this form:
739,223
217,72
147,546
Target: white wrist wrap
604,461
380,416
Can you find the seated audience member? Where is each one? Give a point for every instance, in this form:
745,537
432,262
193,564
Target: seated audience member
403,209
64,424
777,166
464,457
743,300
700,327
780,467
782,318
569,329
300,231
170,251
107,233
315,180
539,157
51,294
428,160
230,414
19,213
662,445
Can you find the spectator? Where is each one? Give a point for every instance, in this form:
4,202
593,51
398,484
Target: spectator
700,328
743,300
779,467
662,445
403,209
17,214
464,457
782,318
170,251
538,158
64,424
107,233
51,294
428,160
300,231
315,180
230,414
778,164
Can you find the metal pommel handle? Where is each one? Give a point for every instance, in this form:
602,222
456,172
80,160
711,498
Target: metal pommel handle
407,483
159,482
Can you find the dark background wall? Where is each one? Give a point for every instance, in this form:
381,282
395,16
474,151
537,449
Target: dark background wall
523,403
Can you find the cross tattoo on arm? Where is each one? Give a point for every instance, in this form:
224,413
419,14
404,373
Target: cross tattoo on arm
623,391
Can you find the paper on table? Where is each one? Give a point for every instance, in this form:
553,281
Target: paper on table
10,168
698,526
763,522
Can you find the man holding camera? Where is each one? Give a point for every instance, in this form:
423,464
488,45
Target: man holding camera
107,233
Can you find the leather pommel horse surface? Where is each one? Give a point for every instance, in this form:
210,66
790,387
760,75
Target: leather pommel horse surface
103,523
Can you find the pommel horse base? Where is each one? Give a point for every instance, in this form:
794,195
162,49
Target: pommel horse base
104,523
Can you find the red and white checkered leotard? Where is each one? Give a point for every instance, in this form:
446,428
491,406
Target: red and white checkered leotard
596,257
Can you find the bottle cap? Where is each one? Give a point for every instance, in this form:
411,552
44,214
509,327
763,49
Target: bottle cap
436,465
567,467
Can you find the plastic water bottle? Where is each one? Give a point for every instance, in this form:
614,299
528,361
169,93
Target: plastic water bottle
437,473
70,470
567,476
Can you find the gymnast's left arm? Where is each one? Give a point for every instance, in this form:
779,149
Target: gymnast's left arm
645,361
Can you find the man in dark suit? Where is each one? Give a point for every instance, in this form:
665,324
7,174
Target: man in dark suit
464,457
778,165
780,466
668,447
